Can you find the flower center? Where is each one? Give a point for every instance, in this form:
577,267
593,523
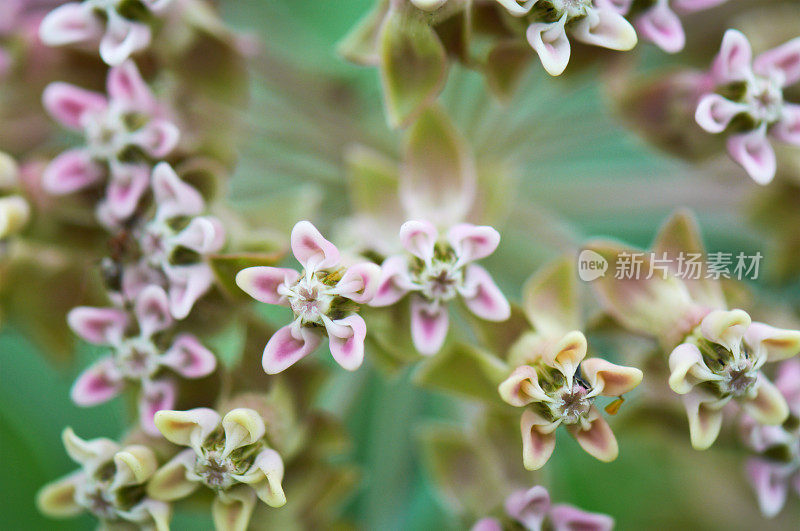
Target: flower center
106,135
215,471
573,405
765,99
137,359
740,378
573,8
97,500
440,280
310,300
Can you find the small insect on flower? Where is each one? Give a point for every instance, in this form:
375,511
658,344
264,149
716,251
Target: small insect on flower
324,298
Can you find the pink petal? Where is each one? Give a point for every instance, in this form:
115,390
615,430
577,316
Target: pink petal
189,358
529,507
186,285
69,104
788,128
551,43
158,138
614,380
155,396
488,524
472,242
173,196
662,26
482,296
605,28
125,84
429,325
734,58
68,24
754,152
126,187
152,310
788,381
419,238
689,6
714,113
203,235
511,390
784,59
360,282
348,348
537,446
771,486
136,277
598,440
262,282
71,171
311,249
394,282
568,518
622,7
284,350
768,406
99,383
778,343
122,39
101,326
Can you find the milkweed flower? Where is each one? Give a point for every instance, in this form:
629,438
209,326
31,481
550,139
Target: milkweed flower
14,209
123,132
532,510
553,22
558,387
776,470
121,26
747,102
109,485
436,273
138,356
228,455
323,297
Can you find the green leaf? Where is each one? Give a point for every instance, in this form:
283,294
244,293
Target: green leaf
226,266
465,370
413,66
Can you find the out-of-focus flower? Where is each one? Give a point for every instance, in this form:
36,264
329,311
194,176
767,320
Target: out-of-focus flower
594,22
137,358
438,272
747,102
14,209
109,485
121,26
532,510
657,21
123,131
559,386
776,470
324,299
228,455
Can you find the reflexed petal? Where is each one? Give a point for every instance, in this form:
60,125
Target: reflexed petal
89,454
551,43
394,282
125,84
714,113
472,242
243,426
598,440
360,282
529,507
771,485
768,406
755,154
663,27
262,282
428,5
537,447
149,514
482,296
122,39
125,188
788,128
187,428
784,59
186,285
734,58
346,338
101,326
97,384
726,327
705,418
614,380
155,396
71,171
511,390
69,104
517,9
284,350
203,235
158,138
169,482
429,325
311,249
233,508
568,353
568,518
152,310
189,358
489,524
134,466
686,368
265,477
57,499
778,344
605,28
173,196
68,24
419,238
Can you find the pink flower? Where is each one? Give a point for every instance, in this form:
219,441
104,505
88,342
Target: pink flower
748,104
121,33
136,357
324,299
123,132
438,272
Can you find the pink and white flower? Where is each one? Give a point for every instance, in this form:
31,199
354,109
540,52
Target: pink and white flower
324,300
137,357
748,105
109,485
438,272
120,26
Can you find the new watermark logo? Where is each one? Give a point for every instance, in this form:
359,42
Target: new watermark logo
685,266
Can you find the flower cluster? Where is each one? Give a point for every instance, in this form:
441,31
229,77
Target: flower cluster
14,209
